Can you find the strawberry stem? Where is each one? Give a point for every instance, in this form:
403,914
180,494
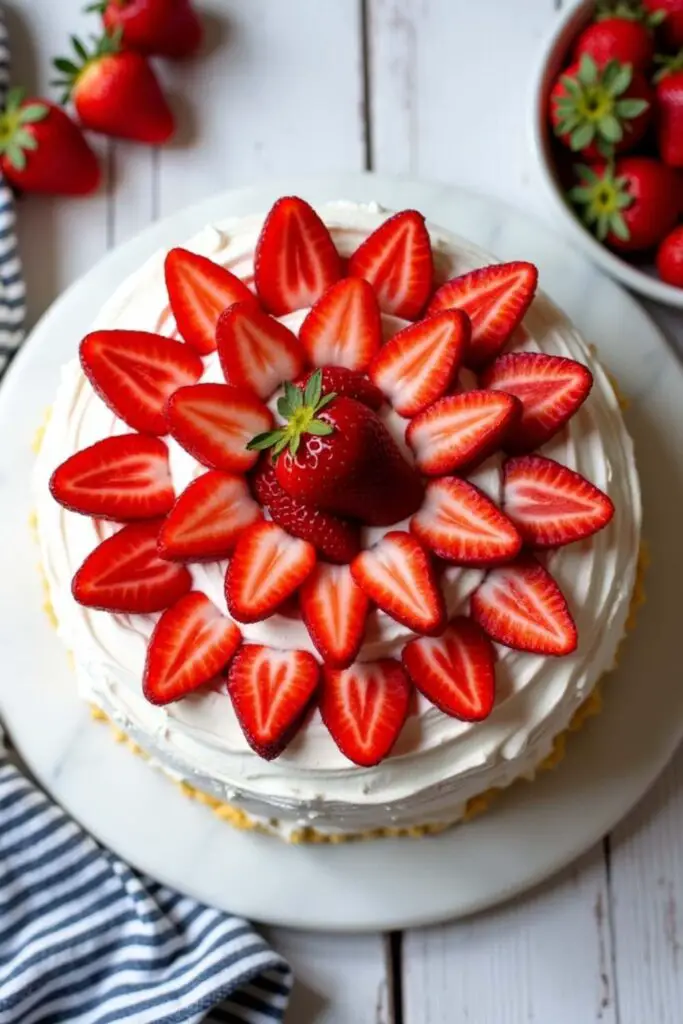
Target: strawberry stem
299,408
600,198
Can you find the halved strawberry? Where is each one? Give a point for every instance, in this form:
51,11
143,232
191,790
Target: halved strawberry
419,364
397,261
295,259
520,605
550,388
270,692
344,328
398,576
461,430
125,573
351,383
190,644
364,708
215,422
208,518
334,609
267,566
455,671
495,299
135,373
198,291
120,478
255,350
551,505
460,524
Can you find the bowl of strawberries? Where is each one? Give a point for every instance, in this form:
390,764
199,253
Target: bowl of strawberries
608,129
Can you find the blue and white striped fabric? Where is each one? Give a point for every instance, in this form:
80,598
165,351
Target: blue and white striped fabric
12,288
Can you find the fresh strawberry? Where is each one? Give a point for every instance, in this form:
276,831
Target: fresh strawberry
344,328
135,373
256,351
669,112
295,260
159,28
120,478
365,707
214,422
421,362
461,430
550,388
268,565
495,299
670,258
456,671
198,291
208,518
270,692
190,644
334,609
125,574
670,14
551,505
397,261
625,40
398,576
351,383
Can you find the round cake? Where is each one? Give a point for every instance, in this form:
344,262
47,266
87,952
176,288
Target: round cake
339,517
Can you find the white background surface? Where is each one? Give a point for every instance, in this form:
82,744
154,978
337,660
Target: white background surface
437,89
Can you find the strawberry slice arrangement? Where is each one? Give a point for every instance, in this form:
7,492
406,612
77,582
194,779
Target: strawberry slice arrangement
331,477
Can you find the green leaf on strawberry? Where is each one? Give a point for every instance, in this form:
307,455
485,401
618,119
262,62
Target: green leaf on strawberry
601,199
15,140
300,409
629,10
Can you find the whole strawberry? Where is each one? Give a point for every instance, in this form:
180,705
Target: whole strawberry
669,114
670,258
156,28
672,20
621,39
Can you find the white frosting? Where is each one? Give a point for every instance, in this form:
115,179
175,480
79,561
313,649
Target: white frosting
438,762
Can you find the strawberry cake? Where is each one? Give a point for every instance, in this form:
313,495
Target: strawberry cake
339,518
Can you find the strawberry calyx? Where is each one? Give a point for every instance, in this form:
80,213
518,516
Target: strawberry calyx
15,139
600,199
668,64
299,407
628,10
72,70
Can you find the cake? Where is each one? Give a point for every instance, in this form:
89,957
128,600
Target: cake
339,519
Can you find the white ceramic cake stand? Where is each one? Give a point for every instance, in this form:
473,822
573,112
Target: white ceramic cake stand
533,830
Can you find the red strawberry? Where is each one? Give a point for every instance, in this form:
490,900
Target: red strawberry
421,362
461,430
397,261
398,576
344,328
521,606
135,373
198,291
456,671
270,692
256,351
190,644
214,422
670,258
496,299
346,382
669,112
125,574
671,14
295,259
268,565
364,708
460,524
119,478
208,518
550,388
334,609
625,40
163,28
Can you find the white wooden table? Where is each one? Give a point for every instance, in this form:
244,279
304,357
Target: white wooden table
436,89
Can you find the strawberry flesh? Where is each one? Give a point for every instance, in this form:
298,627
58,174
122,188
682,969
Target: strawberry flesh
396,259
155,27
214,422
257,352
208,518
267,567
335,610
344,327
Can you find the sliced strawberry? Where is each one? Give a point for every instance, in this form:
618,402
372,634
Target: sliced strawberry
125,573
351,383
461,430
198,291
455,671
460,524
208,518
268,565
344,328
550,388
190,644
135,373
397,261
521,606
495,299
334,609
419,364
295,259
551,505
215,422
364,708
255,350
398,576
271,691
120,478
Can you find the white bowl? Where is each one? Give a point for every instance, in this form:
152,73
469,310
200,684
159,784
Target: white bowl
551,61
